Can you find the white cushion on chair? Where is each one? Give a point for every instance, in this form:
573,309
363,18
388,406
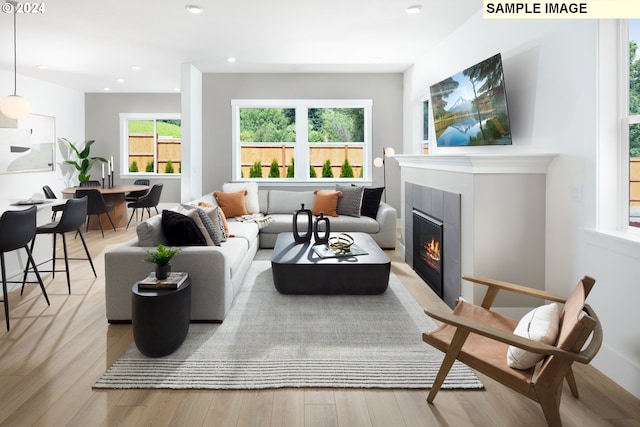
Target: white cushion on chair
540,324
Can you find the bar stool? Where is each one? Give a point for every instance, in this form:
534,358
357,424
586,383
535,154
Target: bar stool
17,229
73,215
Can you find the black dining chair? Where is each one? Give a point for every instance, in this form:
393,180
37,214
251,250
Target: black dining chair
17,229
49,194
147,202
91,183
135,195
96,206
72,219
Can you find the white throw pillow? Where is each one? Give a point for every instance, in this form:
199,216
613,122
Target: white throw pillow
540,324
251,200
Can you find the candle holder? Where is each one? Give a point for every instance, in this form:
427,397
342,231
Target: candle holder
103,182
111,183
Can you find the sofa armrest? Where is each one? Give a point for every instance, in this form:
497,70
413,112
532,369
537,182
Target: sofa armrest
207,266
388,220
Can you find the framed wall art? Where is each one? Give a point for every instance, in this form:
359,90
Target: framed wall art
28,145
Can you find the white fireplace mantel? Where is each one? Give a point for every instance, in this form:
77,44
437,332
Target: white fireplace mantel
530,163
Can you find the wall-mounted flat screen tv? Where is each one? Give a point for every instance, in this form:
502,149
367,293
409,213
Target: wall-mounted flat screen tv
470,107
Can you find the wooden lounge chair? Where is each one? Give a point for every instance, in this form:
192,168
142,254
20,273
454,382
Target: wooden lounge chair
480,338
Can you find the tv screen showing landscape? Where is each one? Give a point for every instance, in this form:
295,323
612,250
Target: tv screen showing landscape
470,107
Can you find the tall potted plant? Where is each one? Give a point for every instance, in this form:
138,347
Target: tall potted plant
83,163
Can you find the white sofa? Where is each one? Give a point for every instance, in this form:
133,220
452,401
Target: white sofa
280,205
217,272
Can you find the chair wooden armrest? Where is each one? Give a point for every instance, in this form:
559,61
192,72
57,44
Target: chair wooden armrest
505,337
497,285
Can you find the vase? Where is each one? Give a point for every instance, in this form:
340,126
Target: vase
162,271
324,238
306,237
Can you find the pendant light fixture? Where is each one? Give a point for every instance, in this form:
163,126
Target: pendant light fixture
14,106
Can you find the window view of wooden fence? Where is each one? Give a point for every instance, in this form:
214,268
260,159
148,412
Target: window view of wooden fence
282,156
143,158
634,181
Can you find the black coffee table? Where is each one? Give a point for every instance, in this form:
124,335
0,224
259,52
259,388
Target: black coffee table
297,269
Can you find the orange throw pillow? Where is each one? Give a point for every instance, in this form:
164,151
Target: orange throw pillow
326,202
232,204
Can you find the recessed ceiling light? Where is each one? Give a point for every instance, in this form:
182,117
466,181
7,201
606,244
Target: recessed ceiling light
192,8
120,80
177,89
135,67
231,59
377,59
107,89
416,8
41,67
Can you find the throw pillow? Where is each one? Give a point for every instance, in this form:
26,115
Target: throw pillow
326,202
180,230
251,197
217,216
192,212
225,226
540,324
351,201
371,201
232,204
212,228
150,232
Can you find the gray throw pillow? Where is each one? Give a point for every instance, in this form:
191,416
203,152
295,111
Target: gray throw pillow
351,200
207,222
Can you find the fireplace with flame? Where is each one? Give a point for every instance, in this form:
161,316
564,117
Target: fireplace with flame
428,249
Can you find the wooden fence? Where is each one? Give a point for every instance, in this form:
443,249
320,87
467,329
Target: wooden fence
634,181
318,155
141,151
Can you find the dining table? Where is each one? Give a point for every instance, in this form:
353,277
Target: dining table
113,196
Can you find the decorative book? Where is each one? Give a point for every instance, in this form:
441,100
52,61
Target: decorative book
174,281
326,251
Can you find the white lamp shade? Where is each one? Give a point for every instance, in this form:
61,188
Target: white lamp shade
389,152
15,107
378,162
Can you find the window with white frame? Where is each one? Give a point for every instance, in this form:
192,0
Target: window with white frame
631,120
151,143
301,140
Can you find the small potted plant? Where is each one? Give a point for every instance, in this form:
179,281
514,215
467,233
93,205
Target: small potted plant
161,257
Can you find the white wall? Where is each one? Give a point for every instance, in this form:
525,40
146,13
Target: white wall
219,89
551,75
103,124
67,106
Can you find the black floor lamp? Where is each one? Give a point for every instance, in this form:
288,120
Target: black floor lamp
379,162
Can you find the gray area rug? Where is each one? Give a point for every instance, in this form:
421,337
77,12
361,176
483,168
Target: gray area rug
270,340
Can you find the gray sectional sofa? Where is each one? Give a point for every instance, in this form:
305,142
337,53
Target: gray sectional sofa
218,271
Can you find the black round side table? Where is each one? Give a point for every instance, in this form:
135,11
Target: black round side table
160,318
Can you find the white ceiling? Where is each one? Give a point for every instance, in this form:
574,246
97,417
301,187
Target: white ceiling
89,44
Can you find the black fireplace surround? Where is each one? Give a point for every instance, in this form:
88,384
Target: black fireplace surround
445,208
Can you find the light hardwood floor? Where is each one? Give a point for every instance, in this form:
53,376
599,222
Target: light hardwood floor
53,355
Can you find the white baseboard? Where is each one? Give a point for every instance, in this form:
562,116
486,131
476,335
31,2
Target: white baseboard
625,372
